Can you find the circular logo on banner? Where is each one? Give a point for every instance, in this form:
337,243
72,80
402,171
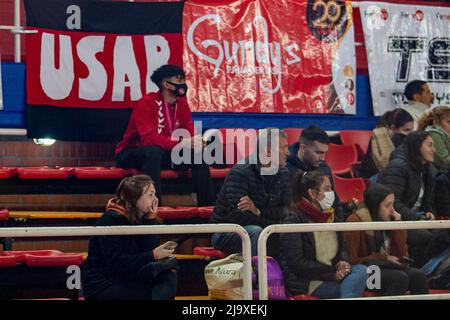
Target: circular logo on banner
375,17
327,19
384,14
418,15
350,98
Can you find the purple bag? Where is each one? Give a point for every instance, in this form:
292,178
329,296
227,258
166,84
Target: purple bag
275,280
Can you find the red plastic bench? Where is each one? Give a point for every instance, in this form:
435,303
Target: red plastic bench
7,172
165,174
205,212
7,261
303,297
99,173
219,173
176,213
4,215
209,252
44,173
45,258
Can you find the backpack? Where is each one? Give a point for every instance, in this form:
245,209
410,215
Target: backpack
275,280
440,278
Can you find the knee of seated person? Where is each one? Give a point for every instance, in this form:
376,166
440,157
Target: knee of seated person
253,229
360,270
153,152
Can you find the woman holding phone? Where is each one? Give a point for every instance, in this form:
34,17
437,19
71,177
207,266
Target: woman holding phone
386,249
133,267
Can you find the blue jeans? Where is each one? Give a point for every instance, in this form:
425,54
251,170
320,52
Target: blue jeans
352,286
231,242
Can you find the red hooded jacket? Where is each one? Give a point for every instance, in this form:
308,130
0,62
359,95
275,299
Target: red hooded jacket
149,123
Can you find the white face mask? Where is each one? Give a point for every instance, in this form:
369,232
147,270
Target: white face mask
327,202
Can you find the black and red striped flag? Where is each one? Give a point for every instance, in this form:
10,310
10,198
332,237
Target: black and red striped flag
91,61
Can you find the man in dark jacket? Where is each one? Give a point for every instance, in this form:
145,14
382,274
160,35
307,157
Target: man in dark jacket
253,199
442,194
309,154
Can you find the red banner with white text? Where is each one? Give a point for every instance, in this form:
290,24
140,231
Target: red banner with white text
270,56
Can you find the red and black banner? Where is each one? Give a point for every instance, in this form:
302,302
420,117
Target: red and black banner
91,61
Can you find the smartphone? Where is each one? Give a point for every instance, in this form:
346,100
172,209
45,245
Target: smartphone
170,245
406,260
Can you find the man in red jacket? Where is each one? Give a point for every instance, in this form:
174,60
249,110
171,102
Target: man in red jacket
147,144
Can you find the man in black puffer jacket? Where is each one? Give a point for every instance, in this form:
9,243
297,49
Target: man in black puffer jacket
308,154
253,200
442,194
410,176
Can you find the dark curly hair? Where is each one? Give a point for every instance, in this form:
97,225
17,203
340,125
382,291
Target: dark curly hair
166,71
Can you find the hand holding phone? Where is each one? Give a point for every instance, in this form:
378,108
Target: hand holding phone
406,260
170,245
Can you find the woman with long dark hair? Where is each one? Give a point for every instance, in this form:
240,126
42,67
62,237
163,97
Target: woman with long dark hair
387,249
411,177
315,263
133,267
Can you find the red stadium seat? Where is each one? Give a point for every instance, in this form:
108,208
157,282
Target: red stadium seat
7,172
165,174
209,252
45,258
4,215
176,213
369,294
205,212
44,173
303,297
293,134
219,173
360,138
7,261
339,157
99,173
200,212
438,291
349,188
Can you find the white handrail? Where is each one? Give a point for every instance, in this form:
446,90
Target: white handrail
17,35
128,230
315,227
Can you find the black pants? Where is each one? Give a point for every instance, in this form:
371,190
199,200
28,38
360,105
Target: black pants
396,282
151,160
164,287
418,242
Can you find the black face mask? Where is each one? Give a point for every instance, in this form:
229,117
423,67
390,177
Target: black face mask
180,89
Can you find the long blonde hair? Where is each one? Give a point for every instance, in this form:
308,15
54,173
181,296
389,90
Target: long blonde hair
437,114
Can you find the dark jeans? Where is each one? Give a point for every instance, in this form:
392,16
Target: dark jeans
151,160
230,242
418,242
352,286
164,287
397,282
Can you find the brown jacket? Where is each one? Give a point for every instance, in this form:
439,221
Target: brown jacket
358,242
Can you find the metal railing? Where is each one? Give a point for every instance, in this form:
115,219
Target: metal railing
316,227
141,230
